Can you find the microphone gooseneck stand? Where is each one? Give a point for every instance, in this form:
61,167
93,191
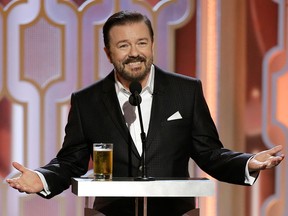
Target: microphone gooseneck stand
135,100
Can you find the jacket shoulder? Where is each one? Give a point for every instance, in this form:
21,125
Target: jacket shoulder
106,84
164,79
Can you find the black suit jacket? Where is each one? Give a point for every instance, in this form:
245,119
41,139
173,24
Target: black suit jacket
95,116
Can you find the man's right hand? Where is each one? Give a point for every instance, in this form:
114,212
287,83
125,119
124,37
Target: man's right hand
28,181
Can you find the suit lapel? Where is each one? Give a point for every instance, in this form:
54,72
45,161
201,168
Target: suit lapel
159,101
113,108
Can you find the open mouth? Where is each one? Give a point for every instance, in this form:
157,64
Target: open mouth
134,65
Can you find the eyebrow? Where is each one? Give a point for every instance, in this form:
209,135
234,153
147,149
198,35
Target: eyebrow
125,41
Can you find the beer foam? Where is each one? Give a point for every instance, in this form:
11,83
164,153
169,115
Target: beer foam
101,149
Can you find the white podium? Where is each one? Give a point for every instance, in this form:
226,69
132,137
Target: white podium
128,187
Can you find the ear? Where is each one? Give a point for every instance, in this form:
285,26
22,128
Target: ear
107,51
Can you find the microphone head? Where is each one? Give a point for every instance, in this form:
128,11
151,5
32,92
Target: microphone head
134,87
135,100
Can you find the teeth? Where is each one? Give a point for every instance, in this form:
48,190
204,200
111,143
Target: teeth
134,63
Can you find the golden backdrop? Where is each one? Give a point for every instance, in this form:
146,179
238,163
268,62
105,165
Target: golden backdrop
50,48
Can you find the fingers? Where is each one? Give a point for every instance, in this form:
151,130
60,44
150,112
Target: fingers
14,183
271,164
28,181
266,159
19,167
274,161
275,150
277,158
18,185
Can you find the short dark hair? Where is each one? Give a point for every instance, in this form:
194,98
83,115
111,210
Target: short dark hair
122,18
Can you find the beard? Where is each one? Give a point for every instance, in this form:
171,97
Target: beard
135,72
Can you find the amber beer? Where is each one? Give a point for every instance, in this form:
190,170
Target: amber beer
103,161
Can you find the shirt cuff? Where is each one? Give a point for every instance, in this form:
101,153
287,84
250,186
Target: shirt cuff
45,191
250,178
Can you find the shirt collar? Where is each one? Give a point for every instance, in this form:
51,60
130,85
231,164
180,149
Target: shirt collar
149,86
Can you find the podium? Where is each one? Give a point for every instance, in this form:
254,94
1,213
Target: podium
128,187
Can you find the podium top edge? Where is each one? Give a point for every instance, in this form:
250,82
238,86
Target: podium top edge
115,179
129,187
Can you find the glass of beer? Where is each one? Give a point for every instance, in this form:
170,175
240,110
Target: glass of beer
103,161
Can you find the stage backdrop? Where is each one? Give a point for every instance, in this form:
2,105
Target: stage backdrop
238,48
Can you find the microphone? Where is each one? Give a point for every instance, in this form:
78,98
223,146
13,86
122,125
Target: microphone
135,89
135,100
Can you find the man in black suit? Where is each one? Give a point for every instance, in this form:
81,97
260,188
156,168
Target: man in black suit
175,117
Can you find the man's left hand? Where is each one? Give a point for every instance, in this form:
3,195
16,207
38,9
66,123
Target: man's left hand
266,159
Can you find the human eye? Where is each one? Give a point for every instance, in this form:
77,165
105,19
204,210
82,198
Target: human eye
123,45
143,43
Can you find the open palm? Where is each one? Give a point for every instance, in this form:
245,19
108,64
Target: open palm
266,159
28,181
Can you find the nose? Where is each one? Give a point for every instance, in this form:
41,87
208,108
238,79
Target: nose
133,51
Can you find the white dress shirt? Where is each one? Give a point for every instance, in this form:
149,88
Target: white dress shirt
130,112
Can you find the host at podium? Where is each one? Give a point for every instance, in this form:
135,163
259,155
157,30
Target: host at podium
176,120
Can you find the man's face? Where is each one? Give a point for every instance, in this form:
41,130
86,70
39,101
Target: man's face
131,51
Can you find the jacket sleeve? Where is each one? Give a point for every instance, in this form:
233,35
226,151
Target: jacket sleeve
73,158
208,151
